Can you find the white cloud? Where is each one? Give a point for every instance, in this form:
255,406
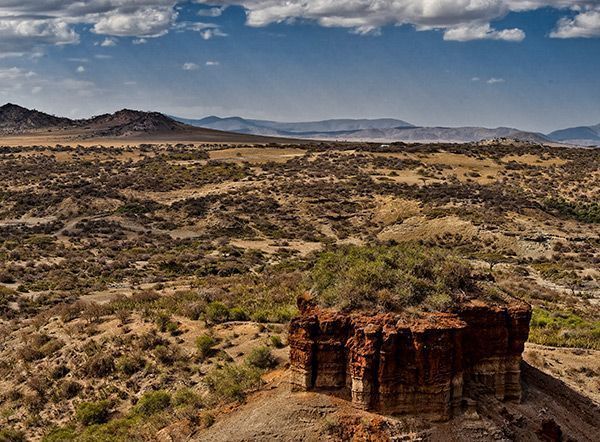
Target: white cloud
80,70
142,22
212,63
15,74
29,24
494,80
108,43
206,30
584,25
461,20
482,32
189,66
139,41
26,26
211,12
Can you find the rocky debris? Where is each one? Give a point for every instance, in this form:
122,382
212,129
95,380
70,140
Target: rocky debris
393,364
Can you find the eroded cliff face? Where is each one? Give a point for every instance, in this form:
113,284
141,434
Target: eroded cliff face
394,365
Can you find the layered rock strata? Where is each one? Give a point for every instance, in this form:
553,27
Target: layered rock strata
394,365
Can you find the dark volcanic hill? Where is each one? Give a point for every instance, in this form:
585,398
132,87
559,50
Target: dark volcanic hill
128,122
16,120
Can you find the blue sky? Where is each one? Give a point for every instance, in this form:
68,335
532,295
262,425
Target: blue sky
534,67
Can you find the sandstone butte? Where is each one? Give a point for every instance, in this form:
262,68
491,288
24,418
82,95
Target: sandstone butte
392,364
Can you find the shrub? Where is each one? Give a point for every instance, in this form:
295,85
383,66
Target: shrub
10,435
204,345
130,365
217,312
231,382
187,397
167,355
261,357
68,389
92,413
153,402
388,278
277,342
238,314
99,366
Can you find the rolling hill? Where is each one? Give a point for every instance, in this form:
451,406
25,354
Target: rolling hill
379,130
585,135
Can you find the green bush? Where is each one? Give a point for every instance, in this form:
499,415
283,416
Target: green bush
204,345
276,341
187,397
10,435
217,312
63,434
564,329
238,314
261,357
389,278
92,413
130,365
231,382
153,402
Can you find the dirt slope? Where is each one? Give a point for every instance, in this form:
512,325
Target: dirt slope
277,414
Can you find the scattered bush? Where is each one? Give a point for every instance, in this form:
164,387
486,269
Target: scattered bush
261,357
153,402
130,365
232,382
204,345
93,413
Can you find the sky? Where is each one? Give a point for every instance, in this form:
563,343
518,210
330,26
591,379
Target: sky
530,64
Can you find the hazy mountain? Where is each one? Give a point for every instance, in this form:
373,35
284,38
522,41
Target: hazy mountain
303,129
381,130
443,134
586,135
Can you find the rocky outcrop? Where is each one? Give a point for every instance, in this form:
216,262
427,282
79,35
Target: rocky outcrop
396,365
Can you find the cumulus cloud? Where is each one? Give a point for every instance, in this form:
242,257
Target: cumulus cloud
212,63
28,24
586,24
461,20
80,70
482,32
189,66
108,43
495,80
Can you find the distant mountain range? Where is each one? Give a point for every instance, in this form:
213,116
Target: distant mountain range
386,130
126,123
307,129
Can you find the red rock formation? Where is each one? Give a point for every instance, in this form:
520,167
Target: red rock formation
395,365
